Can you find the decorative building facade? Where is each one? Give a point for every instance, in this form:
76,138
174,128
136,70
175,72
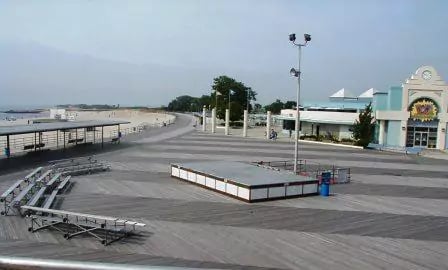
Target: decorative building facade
415,114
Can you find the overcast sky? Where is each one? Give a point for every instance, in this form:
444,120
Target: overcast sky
147,52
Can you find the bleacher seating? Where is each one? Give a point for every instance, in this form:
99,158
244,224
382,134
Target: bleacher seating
34,174
44,177
16,189
106,229
10,194
37,197
36,193
64,184
24,196
77,166
54,180
50,199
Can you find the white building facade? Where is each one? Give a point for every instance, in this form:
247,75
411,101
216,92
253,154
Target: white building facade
415,114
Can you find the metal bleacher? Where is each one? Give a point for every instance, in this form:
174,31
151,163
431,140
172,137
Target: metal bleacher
36,194
32,189
16,193
54,180
37,197
77,166
50,200
106,229
63,185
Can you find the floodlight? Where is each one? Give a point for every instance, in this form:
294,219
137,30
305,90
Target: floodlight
292,37
307,37
294,72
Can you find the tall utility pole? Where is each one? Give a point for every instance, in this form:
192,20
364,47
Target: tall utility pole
297,73
230,91
247,101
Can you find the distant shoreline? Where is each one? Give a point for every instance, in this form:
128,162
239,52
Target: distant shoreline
23,111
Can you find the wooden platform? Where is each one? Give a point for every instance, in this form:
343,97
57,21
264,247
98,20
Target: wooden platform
243,181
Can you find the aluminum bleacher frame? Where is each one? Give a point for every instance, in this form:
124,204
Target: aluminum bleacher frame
106,229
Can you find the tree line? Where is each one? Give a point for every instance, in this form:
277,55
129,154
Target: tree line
227,92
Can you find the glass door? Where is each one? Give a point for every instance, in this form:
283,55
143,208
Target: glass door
424,142
417,139
421,139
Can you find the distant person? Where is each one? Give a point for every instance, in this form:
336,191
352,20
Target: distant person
273,135
290,133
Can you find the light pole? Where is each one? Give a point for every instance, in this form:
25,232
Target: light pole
247,101
297,73
230,91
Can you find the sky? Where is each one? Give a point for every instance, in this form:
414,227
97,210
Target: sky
148,52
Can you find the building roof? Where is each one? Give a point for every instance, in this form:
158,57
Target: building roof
343,94
367,94
43,127
324,117
337,105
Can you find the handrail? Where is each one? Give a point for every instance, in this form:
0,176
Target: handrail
7,262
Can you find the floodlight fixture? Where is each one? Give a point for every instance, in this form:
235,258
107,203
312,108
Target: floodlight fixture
294,72
292,37
307,37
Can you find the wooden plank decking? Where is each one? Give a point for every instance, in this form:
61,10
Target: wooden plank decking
400,222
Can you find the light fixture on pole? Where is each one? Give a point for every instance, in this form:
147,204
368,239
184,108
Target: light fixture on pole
297,73
230,92
217,93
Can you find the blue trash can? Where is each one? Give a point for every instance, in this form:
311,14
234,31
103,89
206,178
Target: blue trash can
325,189
325,185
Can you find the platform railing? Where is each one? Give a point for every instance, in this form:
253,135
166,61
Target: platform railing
339,175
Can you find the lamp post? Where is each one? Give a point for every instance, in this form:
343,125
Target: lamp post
230,91
247,101
297,73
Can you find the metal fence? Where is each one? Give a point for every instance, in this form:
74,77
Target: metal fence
339,175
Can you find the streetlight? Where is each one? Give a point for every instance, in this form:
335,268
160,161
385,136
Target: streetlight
297,73
230,92
248,100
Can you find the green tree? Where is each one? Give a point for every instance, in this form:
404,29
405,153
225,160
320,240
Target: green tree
235,111
258,108
183,104
275,107
239,94
289,105
364,127
204,100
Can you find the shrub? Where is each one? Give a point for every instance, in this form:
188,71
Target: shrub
347,140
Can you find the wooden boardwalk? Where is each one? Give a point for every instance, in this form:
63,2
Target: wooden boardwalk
393,216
